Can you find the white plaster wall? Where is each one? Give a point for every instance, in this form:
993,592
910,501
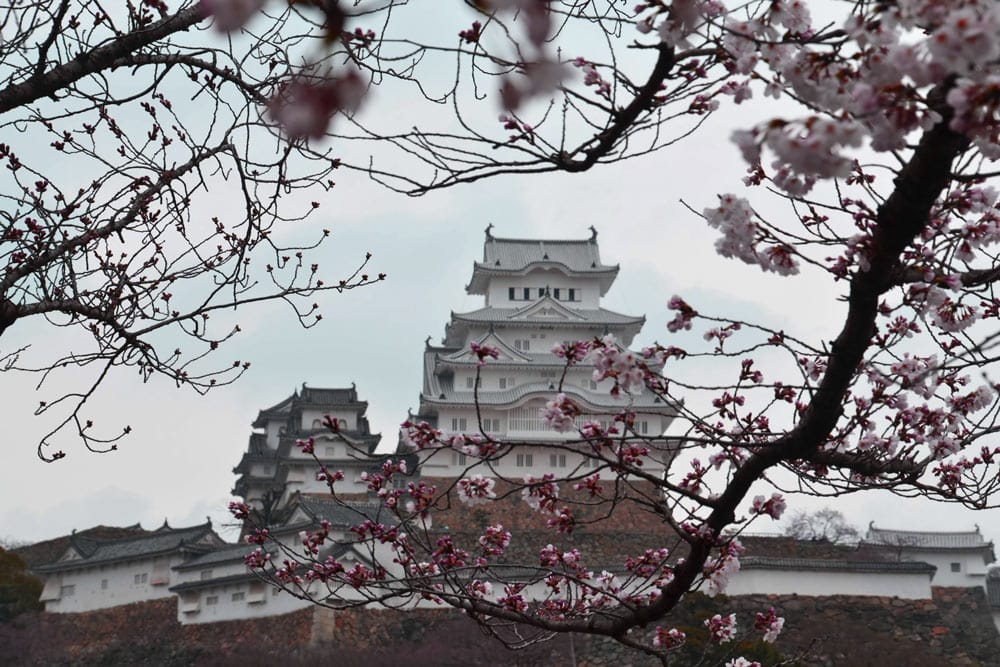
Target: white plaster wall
302,478
274,602
448,463
910,586
273,431
498,294
973,570
121,588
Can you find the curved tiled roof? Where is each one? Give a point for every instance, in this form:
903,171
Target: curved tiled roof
505,256
339,396
47,551
835,564
584,318
162,541
227,554
507,397
512,254
916,539
341,513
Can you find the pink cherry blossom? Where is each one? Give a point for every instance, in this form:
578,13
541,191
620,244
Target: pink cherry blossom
476,490
721,628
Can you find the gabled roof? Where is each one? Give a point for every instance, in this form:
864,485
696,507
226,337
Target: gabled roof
491,339
590,322
514,256
162,541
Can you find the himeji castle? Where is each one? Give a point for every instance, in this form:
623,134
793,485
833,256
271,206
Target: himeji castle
537,293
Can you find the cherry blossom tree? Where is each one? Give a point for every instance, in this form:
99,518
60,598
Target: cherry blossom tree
136,217
881,160
881,157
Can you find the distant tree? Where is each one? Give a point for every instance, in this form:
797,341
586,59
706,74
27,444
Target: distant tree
12,543
19,589
827,524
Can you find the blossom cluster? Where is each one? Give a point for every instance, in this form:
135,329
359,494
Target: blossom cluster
476,490
560,412
773,507
770,624
718,571
721,628
741,236
623,366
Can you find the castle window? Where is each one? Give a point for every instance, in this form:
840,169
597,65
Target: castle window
572,294
541,292
317,424
644,427
527,293
524,460
470,381
557,460
522,344
211,600
141,578
206,574
459,424
238,597
556,294
510,293
104,584
956,567
68,590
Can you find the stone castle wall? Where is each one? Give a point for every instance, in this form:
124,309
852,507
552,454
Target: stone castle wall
955,628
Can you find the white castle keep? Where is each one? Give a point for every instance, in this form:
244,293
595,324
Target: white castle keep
537,293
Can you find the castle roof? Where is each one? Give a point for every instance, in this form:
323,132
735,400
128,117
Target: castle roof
47,551
311,397
546,312
835,565
597,400
84,551
930,541
519,256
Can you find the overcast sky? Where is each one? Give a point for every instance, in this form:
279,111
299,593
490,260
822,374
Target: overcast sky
177,464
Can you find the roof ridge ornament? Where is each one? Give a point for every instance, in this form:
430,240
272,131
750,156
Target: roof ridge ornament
489,233
593,233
